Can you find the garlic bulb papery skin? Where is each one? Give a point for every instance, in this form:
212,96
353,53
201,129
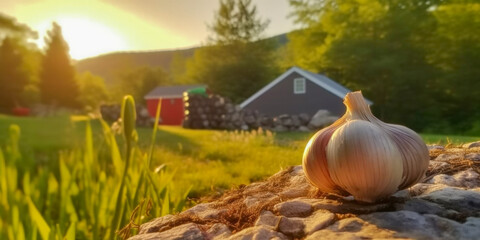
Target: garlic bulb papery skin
363,156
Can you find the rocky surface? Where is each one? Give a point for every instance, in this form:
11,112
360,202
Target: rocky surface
445,205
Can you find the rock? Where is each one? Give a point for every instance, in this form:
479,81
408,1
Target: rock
304,118
280,128
320,119
268,219
345,207
317,221
258,233
259,199
425,207
471,144
219,231
444,179
421,188
402,194
330,235
204,211
468,178
472,156
444,157
295,121
297,171
299,187
435,147
293,208
188,231
449,229
156,224
406,223
463,201
303,129
352,228
295,192
292,227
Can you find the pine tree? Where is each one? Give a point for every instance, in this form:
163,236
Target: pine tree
57,78
12,78
236,62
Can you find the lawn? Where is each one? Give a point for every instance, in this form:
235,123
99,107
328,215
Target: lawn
210,161
77,164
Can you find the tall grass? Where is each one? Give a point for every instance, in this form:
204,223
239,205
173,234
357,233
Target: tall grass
86,193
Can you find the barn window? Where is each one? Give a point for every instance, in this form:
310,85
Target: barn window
299,86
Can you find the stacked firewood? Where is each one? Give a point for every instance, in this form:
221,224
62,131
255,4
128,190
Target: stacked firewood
217,112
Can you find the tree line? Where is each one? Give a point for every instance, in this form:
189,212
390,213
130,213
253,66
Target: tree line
31,76
417,60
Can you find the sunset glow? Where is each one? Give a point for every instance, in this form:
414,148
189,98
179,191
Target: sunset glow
86,37
93,27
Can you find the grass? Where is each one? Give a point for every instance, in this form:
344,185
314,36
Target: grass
65,173
81,192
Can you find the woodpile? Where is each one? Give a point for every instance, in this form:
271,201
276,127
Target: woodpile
111,113
217,112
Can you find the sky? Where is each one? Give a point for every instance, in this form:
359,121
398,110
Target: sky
97,27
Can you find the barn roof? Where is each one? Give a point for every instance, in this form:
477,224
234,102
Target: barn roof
319,79
170,91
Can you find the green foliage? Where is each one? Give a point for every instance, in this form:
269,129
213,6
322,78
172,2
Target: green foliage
139,81
414,59
57,78
70,195
11,28
235,63
376,46
236,21
12,77
93,91
455,51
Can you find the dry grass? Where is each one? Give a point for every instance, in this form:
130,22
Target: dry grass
454,165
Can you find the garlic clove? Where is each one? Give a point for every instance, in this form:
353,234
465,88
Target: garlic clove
364,161
315,162
414,151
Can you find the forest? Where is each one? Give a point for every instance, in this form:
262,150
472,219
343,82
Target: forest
416,60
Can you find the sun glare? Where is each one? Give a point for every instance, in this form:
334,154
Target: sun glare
86,37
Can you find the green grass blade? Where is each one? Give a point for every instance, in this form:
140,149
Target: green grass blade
166,204
70,232
154,133
38,220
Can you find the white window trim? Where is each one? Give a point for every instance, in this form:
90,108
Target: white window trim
303,82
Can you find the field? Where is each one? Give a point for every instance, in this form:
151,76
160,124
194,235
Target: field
69,160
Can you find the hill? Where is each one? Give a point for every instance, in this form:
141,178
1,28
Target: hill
109,65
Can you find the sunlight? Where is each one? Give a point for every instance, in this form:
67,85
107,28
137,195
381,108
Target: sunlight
86,37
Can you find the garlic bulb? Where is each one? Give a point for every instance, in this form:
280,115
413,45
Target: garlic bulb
360,155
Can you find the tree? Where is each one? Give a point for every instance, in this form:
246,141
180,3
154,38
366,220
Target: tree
12,77
92,90
374,46
9,27
57,77
139,81
19,64
455,50
235,62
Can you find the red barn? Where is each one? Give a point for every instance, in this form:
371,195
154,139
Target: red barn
172,111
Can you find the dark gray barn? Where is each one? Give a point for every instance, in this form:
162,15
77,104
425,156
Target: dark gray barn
298,91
